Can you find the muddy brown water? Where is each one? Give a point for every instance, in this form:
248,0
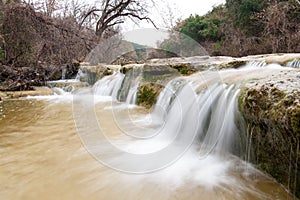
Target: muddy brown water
42,157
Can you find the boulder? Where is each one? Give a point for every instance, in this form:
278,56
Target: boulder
91,74
271,107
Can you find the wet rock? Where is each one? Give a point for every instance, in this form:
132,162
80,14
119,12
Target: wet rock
91,74
37,91
67,85
233,64
272,110
148,94
184,69
126,68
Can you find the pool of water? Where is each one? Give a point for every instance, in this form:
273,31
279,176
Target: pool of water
42,157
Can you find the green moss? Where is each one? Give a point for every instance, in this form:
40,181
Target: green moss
234,64
148,94
184,69
274,118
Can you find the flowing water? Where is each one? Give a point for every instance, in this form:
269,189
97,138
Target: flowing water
50,147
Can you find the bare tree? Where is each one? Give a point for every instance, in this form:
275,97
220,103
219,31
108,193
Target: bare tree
170,14
49,7
114,12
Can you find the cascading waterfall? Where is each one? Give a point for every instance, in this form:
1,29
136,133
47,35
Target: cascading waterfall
63,73
219,113
120,87
257,64
294,64
185,148
130,84
210,115
190,104
109,85
167,96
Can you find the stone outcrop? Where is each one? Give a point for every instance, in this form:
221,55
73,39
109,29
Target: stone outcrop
271,107
67,85
153,80
147,94
37,91
91,74
157,72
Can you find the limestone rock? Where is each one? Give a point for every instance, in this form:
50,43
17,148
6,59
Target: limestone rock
271,107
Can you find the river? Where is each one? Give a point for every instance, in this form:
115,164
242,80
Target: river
44,155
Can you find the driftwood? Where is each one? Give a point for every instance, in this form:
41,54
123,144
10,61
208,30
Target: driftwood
16,79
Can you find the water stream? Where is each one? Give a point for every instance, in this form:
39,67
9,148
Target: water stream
49,146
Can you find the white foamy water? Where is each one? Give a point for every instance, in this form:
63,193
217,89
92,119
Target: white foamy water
180,150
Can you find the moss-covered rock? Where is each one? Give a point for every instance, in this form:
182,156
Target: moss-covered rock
147,94
184,69
125,69
161,74
67,86
91,74
273,113
233,64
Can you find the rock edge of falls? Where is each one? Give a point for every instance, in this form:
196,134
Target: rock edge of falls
270,105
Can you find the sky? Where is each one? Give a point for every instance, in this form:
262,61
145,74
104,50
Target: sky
165,13
201,7
180,9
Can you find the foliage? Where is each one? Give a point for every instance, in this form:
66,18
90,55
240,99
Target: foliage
182,45
19,34
35,47
184,69
47,36
245,10
202,28
243,27
147,94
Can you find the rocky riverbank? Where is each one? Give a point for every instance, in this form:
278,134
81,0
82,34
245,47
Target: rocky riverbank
271,108
36,91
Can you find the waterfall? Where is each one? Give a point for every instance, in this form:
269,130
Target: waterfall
257,64
207,118
109,85
120,87
167,96
63,73
219,113
212,114
80,74
294,64
130,84
197,110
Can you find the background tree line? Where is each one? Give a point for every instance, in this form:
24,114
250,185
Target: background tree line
38,39
244,27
